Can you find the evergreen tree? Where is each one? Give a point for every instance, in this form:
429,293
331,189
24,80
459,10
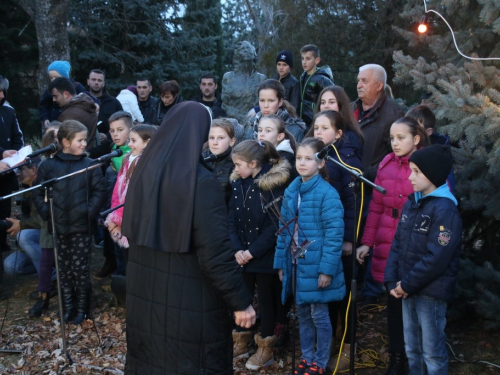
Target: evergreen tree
467,96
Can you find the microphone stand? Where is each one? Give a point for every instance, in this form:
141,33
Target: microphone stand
27,162
108,211
355,185
49,190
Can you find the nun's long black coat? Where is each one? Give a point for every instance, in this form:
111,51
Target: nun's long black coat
177,320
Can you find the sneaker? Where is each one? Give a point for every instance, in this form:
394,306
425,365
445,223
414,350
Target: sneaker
314,369
301,368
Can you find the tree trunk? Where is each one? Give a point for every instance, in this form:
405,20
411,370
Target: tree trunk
51,21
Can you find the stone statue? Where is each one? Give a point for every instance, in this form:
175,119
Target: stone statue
239,87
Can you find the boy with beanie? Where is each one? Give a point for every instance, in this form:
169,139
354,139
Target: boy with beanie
284,65
424,259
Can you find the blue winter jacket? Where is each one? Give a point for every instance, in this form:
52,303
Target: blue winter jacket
320,220
425,252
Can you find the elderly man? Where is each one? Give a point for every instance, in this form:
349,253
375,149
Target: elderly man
375,112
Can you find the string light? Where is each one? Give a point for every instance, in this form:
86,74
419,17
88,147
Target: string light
453,35
422,26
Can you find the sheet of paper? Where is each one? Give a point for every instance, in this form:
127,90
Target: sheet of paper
19,156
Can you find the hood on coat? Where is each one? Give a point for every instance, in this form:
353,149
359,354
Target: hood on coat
442,191
285,146
278,175
82,101
325,71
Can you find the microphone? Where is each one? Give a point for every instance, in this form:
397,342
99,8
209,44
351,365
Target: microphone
51,147
319,156
113,154
210,157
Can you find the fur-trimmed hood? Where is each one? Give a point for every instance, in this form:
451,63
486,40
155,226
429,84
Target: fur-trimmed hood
278,175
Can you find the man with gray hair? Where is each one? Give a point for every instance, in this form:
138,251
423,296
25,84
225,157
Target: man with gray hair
375,112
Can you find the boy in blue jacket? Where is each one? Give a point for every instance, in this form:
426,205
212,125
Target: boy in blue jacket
424,259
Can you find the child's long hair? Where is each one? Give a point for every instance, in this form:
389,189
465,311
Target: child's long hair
316,145
281,127
415,129
68,130
145,132
261,152
336,122
273,84
345,110
50,137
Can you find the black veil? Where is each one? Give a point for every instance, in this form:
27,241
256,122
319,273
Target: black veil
159,205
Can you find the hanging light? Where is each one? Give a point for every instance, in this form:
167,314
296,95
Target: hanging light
422,26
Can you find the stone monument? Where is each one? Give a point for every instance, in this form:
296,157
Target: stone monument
239,87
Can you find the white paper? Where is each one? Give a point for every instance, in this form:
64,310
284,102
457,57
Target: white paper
19,156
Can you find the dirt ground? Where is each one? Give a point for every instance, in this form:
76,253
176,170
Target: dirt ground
99,346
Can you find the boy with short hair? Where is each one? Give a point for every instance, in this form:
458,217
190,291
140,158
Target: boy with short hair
284,66
426,118
312,81
424,259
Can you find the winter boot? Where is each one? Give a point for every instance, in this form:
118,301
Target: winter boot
83,296
345,360
263,357
41,305
241,342
108,268
282,334
68,303
396,364
118,287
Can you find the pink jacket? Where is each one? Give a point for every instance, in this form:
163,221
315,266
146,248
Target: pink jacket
384,210
118,197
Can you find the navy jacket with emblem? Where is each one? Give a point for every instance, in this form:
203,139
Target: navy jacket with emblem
425,253
250,226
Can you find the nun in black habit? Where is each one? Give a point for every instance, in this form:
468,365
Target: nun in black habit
182,279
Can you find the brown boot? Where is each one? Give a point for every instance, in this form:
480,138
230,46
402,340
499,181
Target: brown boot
344,362
263,357
241,342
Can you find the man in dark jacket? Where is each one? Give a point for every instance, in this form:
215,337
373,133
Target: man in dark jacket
284,65
79,107
11,140
208,97
375,112
147,103
109,104
312,81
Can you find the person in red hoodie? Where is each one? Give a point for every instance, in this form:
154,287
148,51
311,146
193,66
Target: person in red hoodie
383,215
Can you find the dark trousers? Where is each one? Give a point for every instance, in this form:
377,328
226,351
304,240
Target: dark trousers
395,324
269,297
338,309
74,260
46,267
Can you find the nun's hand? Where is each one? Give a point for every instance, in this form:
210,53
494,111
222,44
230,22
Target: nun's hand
245,318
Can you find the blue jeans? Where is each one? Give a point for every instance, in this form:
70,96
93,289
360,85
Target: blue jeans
315,328
371,288
424,320
26,261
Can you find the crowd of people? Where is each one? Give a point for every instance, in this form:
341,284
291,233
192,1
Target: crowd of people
207,212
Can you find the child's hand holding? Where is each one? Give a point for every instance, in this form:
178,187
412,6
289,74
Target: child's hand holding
116,233
346,248
248,256
398,292
240,258
361,253
324,280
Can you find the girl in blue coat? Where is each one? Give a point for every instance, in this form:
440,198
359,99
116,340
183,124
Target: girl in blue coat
320,277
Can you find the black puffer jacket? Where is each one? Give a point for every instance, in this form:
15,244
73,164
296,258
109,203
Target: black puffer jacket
161,110
250,227
178,316
221,167
77,199
310,87
148,109
292,90
109,105
293,124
